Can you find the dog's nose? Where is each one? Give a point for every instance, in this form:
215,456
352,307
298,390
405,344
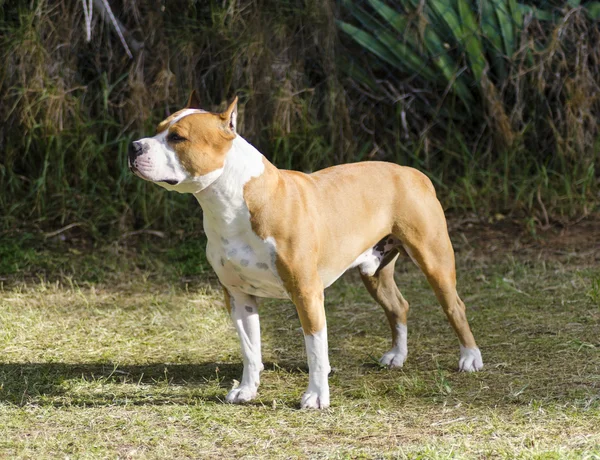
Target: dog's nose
135,150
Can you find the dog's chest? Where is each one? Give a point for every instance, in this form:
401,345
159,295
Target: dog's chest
243,261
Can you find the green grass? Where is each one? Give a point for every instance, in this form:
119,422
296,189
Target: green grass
127,352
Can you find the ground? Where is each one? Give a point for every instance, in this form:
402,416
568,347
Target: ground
125,350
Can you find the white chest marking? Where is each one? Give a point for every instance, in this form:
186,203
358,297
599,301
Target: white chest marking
246,263
242,261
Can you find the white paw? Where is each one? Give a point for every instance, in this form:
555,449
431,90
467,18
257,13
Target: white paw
470,360
393,358
312,400
240,395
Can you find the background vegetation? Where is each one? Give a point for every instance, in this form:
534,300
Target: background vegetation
497,101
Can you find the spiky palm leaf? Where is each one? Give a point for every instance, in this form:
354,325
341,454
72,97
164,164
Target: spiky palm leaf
480,34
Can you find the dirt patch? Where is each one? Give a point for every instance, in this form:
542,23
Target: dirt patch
512,238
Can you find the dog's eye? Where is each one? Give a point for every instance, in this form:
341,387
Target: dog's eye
174,137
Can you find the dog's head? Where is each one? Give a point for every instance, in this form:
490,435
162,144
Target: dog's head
189,149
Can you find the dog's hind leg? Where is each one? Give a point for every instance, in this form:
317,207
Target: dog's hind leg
385,292
433,253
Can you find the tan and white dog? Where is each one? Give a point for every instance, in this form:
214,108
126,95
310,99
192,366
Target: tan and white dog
289,235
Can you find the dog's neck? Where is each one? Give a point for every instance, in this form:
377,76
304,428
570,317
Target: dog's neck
225,210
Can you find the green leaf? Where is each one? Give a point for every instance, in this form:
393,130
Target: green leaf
370,43
491,31
505,20
380,31
448,18
398,21
517,15
403,52
448,66
357,72
387,47
593,10
541,15
366,19
470,37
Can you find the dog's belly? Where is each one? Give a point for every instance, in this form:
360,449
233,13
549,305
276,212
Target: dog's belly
368,262
246,263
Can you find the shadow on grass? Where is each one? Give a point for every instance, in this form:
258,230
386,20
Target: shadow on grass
56,384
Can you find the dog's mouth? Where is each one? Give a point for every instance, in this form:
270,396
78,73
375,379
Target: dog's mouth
141,175
138,173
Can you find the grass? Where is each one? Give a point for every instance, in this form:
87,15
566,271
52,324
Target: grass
126,351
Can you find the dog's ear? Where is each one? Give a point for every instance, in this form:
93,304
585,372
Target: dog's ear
193,101
230,116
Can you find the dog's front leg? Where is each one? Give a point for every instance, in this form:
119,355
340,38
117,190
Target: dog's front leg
317,394
244,313
309,303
